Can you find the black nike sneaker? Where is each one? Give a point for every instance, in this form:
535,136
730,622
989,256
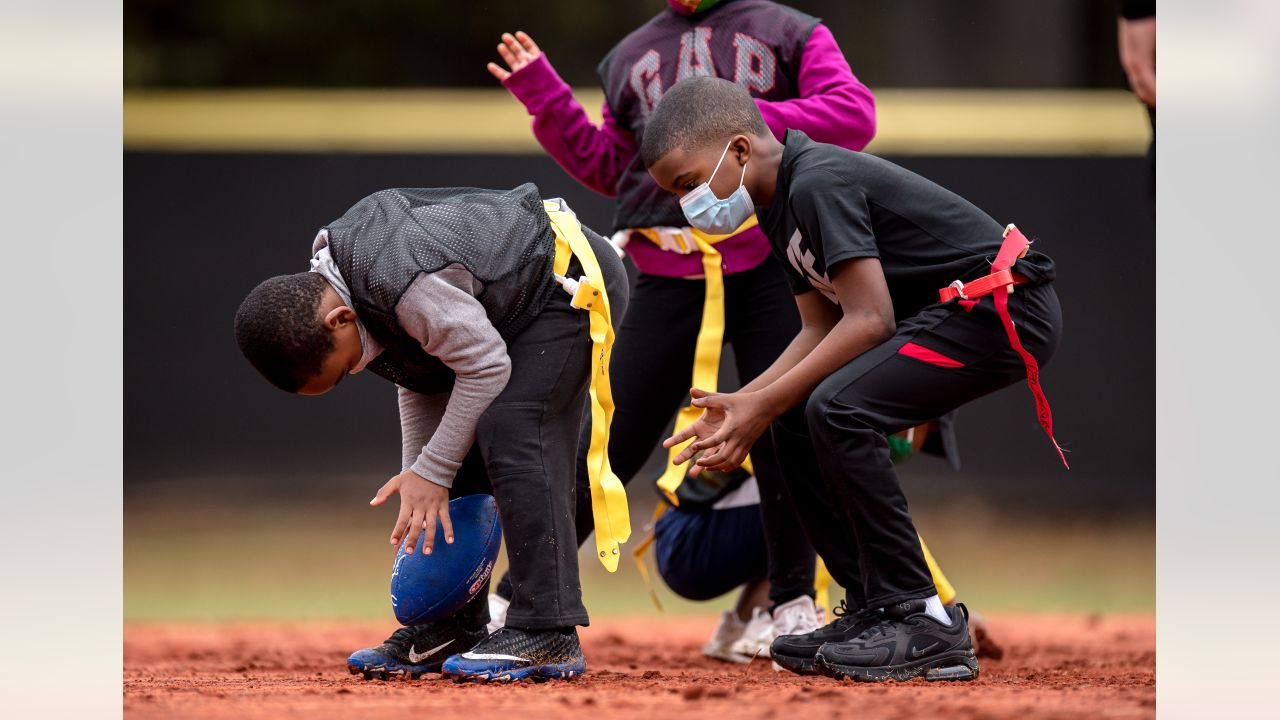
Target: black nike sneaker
906,643
797,652
513,654
415,650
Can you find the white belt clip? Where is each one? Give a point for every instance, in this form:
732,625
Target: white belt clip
675,239
619,241
959,286
583,295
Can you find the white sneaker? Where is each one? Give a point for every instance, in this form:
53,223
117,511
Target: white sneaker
720,646
795,617
497,612
756,636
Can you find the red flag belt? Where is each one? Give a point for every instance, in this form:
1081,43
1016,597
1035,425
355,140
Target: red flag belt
999,284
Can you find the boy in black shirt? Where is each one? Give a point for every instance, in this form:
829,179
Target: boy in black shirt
900,331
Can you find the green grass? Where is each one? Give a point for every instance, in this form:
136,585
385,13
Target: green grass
197,560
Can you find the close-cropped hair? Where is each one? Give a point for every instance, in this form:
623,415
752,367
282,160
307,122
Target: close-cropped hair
697,112
279,330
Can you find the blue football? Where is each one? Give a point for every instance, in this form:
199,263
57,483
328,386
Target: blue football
426,588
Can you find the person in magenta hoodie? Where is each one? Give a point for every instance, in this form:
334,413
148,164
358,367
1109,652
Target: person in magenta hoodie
792,66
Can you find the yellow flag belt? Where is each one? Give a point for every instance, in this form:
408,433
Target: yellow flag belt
706,370
706,355
608,498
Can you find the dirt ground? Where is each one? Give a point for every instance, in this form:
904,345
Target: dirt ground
1054,667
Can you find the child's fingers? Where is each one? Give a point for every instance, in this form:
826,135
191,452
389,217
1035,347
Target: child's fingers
402,524
507,56
683,456
721,459
415,529
527,42
697,446
694,448
388,489
447,524
498,72
709,400
712,457
428,526
513,45
680,437
726,458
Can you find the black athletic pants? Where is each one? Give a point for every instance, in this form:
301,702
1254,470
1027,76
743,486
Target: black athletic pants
525,453
848,495
651,371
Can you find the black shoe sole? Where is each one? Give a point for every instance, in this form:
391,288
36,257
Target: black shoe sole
797,665
955,666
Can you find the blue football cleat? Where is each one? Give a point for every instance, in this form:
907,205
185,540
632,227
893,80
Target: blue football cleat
413,651
511,654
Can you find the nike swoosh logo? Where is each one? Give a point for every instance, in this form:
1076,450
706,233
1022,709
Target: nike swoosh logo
492,656
914,653
416,657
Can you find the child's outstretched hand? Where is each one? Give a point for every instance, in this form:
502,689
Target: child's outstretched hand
729,425
421,503
517,50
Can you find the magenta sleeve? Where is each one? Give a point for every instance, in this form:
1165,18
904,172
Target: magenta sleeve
833,106
594,156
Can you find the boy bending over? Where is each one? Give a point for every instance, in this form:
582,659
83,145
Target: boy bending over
458,296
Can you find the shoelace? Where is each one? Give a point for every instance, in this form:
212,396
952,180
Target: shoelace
880,628
846,618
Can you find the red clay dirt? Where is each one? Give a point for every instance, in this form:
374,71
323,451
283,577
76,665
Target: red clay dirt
1054,667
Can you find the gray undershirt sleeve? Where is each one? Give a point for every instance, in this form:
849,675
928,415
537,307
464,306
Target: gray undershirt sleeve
419,417
440,310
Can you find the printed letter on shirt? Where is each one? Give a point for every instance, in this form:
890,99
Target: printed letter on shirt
755,67
695,54
646,81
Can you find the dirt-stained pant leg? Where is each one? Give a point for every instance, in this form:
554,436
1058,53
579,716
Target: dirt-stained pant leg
528,439
650,375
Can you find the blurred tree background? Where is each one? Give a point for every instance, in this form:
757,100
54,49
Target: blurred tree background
442,43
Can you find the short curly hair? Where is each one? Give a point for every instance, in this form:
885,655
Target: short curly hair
697,112
279,330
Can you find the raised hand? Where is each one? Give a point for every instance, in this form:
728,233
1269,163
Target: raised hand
517,51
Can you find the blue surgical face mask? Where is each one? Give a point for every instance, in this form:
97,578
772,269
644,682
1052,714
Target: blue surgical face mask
710,214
